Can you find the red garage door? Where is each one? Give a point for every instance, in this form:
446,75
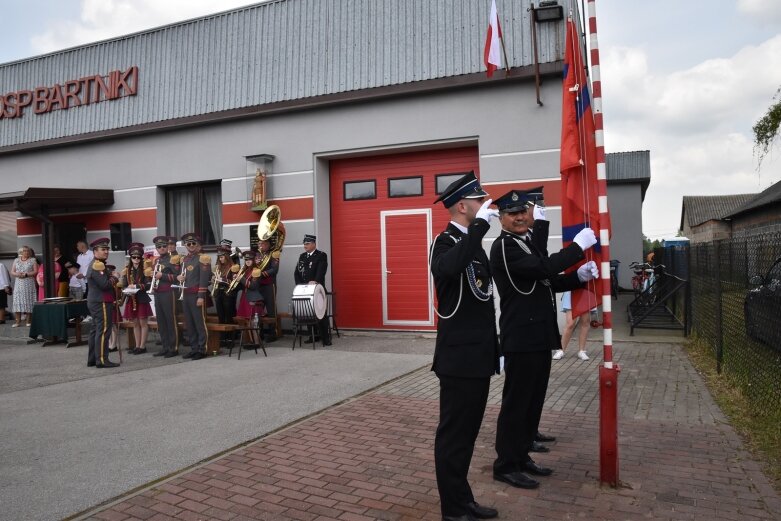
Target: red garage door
383,221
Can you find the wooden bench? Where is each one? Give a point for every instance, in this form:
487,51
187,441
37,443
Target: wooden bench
212,326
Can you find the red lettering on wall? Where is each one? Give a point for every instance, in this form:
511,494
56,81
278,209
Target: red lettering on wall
40,100
55,97
72,89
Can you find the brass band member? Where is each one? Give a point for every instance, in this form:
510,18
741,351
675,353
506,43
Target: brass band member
100,300
268,286
251,305
137,305
225,303
165,269
116,315
195,277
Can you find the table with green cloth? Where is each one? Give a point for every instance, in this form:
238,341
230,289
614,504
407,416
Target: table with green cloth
50,319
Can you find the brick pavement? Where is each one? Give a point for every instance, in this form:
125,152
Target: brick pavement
372,458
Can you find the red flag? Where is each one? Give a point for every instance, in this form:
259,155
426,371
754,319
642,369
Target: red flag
578,162
492,55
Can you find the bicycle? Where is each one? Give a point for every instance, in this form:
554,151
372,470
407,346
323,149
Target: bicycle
640,278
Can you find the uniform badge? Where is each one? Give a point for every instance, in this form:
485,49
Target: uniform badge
514,197
479,283
190,267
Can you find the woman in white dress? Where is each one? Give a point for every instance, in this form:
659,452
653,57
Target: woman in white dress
23,269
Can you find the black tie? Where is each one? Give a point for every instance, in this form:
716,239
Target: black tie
528,241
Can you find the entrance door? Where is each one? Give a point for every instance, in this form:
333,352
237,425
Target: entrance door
406,285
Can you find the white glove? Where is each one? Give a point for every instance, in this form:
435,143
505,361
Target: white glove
486,213
539,213
585,238
588,272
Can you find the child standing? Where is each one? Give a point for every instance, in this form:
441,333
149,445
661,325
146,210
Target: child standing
76,285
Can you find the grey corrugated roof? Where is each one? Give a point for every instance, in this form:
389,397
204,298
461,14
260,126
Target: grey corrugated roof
768,196
274,52
698,209
629,167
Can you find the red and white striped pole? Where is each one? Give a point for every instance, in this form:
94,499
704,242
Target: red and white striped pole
608,372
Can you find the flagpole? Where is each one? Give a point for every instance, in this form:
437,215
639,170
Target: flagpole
506,61
608,372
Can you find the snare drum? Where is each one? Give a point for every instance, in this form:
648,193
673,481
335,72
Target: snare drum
309,301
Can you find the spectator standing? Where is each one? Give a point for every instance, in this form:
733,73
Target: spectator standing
84,259
5,290
75,284
24,268
569,329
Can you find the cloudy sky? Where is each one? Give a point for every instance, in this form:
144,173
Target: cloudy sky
685,80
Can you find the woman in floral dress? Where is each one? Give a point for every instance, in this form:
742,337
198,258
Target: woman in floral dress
24,269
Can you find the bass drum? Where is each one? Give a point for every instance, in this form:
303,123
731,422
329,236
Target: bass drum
309,302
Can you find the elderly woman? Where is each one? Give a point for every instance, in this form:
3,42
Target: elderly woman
24,269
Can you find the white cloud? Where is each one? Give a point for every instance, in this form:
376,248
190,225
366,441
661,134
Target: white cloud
696,123
102,19
764,12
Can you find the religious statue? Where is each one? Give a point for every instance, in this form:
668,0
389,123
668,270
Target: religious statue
259,191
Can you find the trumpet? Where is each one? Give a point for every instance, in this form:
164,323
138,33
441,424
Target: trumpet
216,279
235,282
182,288
155,280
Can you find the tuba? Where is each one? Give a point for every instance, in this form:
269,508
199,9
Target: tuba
271,229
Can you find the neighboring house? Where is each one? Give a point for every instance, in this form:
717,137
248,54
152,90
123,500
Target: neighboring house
703,217
760,215
628,177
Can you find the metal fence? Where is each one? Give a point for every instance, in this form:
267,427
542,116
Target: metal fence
735,312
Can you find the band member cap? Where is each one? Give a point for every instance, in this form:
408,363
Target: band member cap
226,243
190,237
515,201
468,187
171,240
309,238
160,241
248,255
224,250
102,242
135,248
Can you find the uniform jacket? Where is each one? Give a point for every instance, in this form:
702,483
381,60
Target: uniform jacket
138,278
312,267
466,342
528,322
197,274
101,283
169,271
251,286
269,275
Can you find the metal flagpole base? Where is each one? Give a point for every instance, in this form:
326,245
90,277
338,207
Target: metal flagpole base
608,424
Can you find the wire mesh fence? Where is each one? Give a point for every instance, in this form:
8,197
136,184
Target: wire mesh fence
734,305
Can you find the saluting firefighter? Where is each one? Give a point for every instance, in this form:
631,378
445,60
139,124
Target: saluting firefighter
311,269
467,352
164,270
527,279
195,277
137,305
100,302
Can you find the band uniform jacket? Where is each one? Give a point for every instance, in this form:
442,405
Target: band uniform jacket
312,267
141,281
250,283
169,271
197,269
466,342
528,321
101,283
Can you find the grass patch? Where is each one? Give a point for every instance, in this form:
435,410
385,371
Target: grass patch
759,426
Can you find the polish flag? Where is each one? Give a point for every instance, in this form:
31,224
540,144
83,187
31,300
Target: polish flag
492,56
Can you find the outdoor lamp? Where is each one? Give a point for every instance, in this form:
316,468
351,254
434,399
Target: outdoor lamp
548,11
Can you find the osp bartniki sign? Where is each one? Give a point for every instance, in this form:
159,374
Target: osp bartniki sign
73,93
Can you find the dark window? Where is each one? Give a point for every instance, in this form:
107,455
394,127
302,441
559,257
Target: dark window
195,208
8,234
354,190
405,186
444,180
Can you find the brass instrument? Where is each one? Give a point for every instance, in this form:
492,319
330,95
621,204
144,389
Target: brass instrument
216,278
182,288
235,282
156,281
270,228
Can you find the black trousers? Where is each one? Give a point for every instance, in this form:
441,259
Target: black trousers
165,312
195,322
100,334
226,309
525,384
461,407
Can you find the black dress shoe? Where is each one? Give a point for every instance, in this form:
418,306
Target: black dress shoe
539,447
517,479
327,343
481,512
542,437
465,517
139,351
112,349
170,354
198,356
533,468
188,355
91,364
106,365
160,353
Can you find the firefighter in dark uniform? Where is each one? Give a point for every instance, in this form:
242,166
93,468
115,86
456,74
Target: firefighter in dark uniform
311,269
527,280
165,270
467,351
100,302
268,285
195,276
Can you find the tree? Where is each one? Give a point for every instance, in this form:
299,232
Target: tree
766,129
